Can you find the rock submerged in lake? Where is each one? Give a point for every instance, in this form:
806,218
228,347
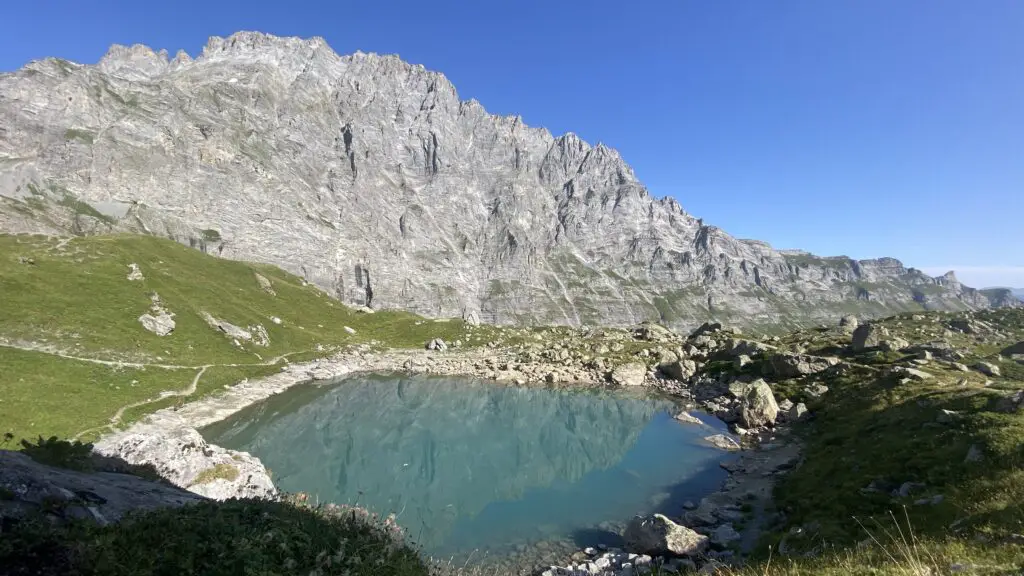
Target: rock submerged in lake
722,442
657,535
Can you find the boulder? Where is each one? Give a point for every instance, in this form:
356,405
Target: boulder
797,413
739,347
135,273
740,361
658,536
349,330
849,323
629,374
706,328
795,365
987,368
688,418
160,324
472,318
911,373
723,535
1014,350
868,336
893,344
437,344
265,284
722,442
679,370
757,404
653,332
229,329
1011,403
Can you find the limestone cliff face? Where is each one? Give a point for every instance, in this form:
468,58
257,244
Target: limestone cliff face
371,178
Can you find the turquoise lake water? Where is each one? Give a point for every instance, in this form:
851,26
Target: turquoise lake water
474,466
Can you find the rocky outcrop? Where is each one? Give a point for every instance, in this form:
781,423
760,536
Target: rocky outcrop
629,374
868,336
370,178
657,535
184,458
757,403
100,496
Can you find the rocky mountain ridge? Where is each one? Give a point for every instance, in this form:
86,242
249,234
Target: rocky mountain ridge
372,179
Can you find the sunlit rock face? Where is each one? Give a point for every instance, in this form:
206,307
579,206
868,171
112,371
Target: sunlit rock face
371,178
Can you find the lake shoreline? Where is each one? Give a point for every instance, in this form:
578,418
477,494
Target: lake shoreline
169,439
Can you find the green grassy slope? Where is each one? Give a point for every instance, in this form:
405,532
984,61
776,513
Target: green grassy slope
73,296
873,432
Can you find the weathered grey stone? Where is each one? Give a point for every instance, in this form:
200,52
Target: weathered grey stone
987,368
184,458
868,336
437,344
795,365
229,329
893,344
657,535
679,370
688,418
724,535
797,412
629,374
722,442
1011,403
135,273
849,323
757,403
265,284
160,324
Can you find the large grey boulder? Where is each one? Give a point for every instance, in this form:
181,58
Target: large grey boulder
679,370
658,536
757,403
795,365
868,336
629,374
437,344
849,323
229,329
1010,403
987,368
161,324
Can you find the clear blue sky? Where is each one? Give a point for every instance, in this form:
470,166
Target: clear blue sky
857,127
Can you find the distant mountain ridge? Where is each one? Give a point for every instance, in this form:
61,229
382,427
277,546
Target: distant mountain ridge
369,177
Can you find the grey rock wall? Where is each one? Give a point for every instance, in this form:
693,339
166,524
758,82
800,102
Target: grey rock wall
370,177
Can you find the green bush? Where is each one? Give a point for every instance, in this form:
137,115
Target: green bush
61,453
212,538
